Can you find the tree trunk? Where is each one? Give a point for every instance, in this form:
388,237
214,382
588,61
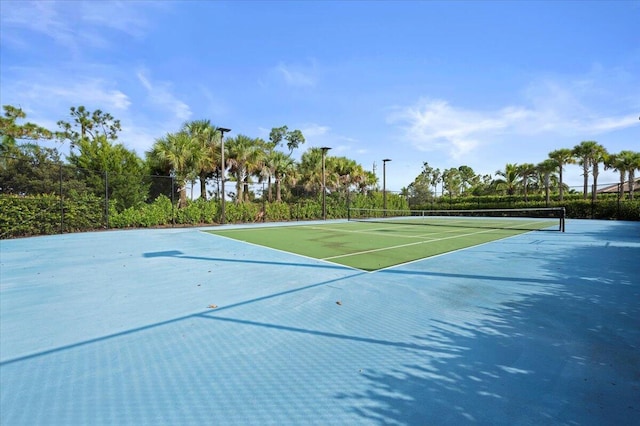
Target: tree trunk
239,186
561,184
621,189
595,181
183,197
546,188
203,186
246,188
585,174
278,191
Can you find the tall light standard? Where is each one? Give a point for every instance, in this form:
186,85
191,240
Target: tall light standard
384,184
222,131
324,187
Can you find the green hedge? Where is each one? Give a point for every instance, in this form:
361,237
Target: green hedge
40,215
44,214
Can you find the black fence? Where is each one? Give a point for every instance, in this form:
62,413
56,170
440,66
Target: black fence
43,197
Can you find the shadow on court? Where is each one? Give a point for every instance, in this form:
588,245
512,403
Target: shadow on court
202,314
542,328
568,357
180,255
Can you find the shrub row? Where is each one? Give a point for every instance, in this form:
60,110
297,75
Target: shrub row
45,214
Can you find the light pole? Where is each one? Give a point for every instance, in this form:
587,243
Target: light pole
324,187
222,131
384,184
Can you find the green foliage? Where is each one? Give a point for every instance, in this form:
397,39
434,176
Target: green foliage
10,131
83,211
294,138
27,216
277,211
629,210
22,216
242,212
31,170
113,168
158,213
190,214
129,217
306,209
375,200
88,125
34,180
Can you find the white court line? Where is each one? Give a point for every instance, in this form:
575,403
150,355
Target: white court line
376,232
417,242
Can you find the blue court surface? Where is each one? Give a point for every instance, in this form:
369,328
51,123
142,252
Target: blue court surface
178,327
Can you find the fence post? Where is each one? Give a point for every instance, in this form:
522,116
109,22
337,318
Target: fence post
106,198
61,203
173,190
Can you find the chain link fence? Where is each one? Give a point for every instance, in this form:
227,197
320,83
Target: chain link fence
43,197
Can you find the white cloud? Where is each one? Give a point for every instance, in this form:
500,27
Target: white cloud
120,16
549,107
297,76
73,25
161,96
37,89
436,125
313,130
36,17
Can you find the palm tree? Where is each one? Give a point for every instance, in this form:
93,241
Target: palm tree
347,172
334,178
526,172
509,181
269,166
369,181
599,155
283,166
545,169
174,153
255,165
206,141
586,152
241,151
310,169
617,162
625,162
561,157
634,164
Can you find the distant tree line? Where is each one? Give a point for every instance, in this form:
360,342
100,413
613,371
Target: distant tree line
527,179
190,154
108,182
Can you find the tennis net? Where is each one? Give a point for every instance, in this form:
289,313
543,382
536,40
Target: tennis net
527,219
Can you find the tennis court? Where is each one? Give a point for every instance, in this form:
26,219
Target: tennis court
180,326
386,239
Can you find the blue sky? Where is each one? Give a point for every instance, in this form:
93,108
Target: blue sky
480,84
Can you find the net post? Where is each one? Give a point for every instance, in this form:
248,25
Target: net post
562,217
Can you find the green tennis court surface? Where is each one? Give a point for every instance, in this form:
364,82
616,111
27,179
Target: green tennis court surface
372,245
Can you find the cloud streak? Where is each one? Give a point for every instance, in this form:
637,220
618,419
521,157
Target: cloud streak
297,76
160,95
73,25
548,107
37,89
